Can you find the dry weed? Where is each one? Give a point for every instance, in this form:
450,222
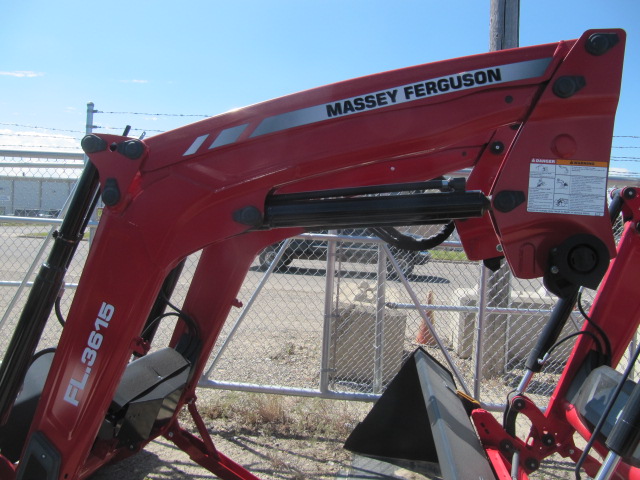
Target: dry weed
279,415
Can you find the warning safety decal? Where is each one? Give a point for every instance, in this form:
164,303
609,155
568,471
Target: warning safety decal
572,187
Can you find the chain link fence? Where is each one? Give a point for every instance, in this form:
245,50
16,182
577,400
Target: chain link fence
330,314
343,326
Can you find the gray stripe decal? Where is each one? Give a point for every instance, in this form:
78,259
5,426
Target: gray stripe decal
405,93
228,136
287,120
196,145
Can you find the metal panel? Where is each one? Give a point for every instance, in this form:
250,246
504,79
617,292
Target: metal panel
54,194
26,197
6,195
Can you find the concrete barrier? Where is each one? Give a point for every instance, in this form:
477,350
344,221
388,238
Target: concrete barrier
520,331
354,343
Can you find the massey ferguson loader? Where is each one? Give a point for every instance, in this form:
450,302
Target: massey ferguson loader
535,126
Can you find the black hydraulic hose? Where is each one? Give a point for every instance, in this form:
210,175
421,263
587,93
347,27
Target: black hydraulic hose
161,303
552,330
405,242
615,206
45,290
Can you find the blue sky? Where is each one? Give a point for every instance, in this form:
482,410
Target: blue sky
206,57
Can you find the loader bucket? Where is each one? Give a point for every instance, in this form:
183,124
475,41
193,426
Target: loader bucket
419,421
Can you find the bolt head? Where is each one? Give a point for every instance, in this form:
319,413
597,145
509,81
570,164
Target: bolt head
111,192
497,147
531,464
548,439
506,446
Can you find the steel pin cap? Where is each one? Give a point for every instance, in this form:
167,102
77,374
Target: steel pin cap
92,144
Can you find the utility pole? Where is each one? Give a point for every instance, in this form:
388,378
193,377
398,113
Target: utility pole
504,24
504,33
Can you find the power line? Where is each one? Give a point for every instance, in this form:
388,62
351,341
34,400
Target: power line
53,129
38,146
155,114
35,135
133,129
43,128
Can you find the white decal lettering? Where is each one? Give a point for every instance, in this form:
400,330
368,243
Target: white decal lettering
90,354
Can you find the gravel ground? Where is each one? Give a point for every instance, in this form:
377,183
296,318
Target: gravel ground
277,453
267,458
271,458
268,455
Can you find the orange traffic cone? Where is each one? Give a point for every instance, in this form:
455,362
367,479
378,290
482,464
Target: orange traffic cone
424,336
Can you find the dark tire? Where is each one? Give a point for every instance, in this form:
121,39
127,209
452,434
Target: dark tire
268,255
406,262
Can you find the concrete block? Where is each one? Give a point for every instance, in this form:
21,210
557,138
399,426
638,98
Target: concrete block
354,343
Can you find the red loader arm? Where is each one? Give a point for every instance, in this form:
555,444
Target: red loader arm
235,183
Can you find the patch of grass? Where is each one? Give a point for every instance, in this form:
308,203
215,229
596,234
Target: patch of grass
449,255
253,412
279,415
46,234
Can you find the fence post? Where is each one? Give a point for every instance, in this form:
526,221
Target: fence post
379,333
88,130
495,332
480,328
90,111
330,311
